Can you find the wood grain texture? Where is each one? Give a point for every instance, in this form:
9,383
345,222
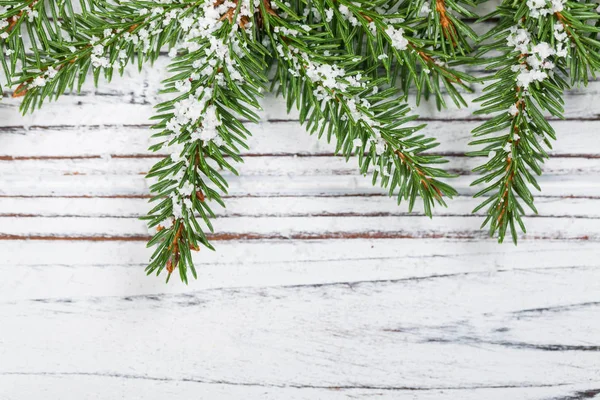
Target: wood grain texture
321,286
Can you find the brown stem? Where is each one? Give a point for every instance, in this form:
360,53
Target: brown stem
426,181
561,18
22,89
447,26
270,11
12,21
427,59
504,203
365,16
174,259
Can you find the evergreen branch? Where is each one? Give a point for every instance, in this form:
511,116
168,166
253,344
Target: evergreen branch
399,46
536,54
443,22
108,41
584,48
350,107
218,76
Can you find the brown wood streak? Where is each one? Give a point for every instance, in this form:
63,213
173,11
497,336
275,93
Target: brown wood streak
589,156
83,196
466,235
10,128
375,214
269,120
245,196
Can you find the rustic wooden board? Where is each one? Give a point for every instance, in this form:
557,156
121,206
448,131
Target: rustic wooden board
321,286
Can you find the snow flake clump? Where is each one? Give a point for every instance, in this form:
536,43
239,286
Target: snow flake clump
526,77
328,15
519,38
397,36
540,8
4,23
97,57
348,15
561,40
195,118
508,148
425,9
39,81
332,82
535,64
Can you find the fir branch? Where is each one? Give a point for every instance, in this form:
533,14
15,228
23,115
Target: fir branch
350,107
537,54
218,76
397,41
115,36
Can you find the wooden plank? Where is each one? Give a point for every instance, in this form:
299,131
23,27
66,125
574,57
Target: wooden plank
47,269
264,166
133,106
251,228
96,386
115,185
334,206
276,138
511,328
441,257
259,175
254,166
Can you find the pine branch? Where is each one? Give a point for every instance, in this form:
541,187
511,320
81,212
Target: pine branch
108,41
396,40
333,95
526,87
218,77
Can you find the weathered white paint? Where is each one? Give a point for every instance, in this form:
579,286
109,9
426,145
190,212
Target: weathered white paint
98,387
293,206
99,268
128,140
320,288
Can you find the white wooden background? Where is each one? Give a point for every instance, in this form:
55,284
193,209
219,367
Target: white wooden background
321,288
